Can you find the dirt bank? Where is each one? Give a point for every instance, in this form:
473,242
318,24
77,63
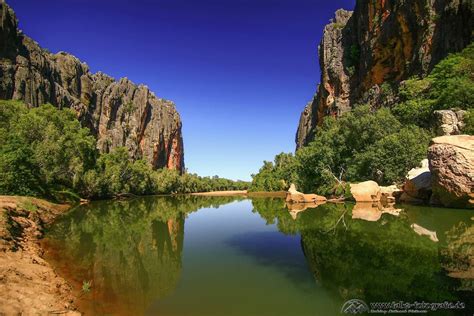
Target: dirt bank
28,284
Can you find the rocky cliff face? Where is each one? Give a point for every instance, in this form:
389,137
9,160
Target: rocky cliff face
381,42
119,113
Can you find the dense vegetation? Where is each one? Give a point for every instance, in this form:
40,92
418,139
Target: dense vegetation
376,144
45,152
449,86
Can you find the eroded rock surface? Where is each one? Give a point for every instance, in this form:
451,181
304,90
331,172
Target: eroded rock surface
449,122
380,42
119,113
367,191
451,160
417,186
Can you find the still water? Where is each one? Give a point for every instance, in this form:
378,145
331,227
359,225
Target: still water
193,255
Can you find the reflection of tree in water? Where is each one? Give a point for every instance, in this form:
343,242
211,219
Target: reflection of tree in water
458,254
131,250
381,260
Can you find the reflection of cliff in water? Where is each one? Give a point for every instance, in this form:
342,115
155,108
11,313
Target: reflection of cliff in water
383,254
131,250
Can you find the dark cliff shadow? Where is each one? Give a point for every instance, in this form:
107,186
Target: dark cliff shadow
277,251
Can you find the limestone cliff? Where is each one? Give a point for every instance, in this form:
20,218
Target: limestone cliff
380,44
118,113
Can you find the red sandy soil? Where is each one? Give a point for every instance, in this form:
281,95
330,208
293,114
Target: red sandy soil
28,284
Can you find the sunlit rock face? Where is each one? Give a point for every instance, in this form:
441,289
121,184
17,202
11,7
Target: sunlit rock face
118,113
380,42
451,160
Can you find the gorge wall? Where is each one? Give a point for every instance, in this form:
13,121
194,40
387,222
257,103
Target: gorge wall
118,113
382,42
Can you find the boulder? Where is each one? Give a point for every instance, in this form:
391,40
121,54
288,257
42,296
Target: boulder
294,196
390,194
449,122
368,191
417,186
451,161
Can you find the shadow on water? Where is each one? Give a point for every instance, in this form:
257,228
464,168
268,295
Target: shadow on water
271,250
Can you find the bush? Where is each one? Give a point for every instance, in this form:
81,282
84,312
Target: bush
360,145
275,176
42,150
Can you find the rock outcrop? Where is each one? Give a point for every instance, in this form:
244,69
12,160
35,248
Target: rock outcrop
390,194
449,122
368,191
417,186
118,113
380,42
451,160
294,196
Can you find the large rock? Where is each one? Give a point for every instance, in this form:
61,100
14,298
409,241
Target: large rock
382,42
449,122
390,194
294,196
417,186
118,113
451,160
368,191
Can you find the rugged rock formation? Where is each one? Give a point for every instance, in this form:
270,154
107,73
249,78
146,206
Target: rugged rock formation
382,41
119,113
451,161
449,122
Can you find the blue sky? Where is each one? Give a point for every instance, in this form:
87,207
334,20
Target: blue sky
239,71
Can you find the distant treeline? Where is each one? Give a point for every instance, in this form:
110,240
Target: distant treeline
45,152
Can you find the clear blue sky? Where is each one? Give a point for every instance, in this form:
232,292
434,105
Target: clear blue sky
239,71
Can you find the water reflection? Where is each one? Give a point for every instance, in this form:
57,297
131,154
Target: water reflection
131,250
133,253
383,253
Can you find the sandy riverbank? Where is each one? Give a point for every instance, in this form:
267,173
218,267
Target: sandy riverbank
242,193
28,284
221,193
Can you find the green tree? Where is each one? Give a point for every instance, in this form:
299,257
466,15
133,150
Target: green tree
275,176
43,149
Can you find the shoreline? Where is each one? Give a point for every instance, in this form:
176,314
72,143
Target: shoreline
221,193
28,283
245,193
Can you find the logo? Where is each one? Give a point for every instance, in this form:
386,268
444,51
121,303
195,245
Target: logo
354,306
